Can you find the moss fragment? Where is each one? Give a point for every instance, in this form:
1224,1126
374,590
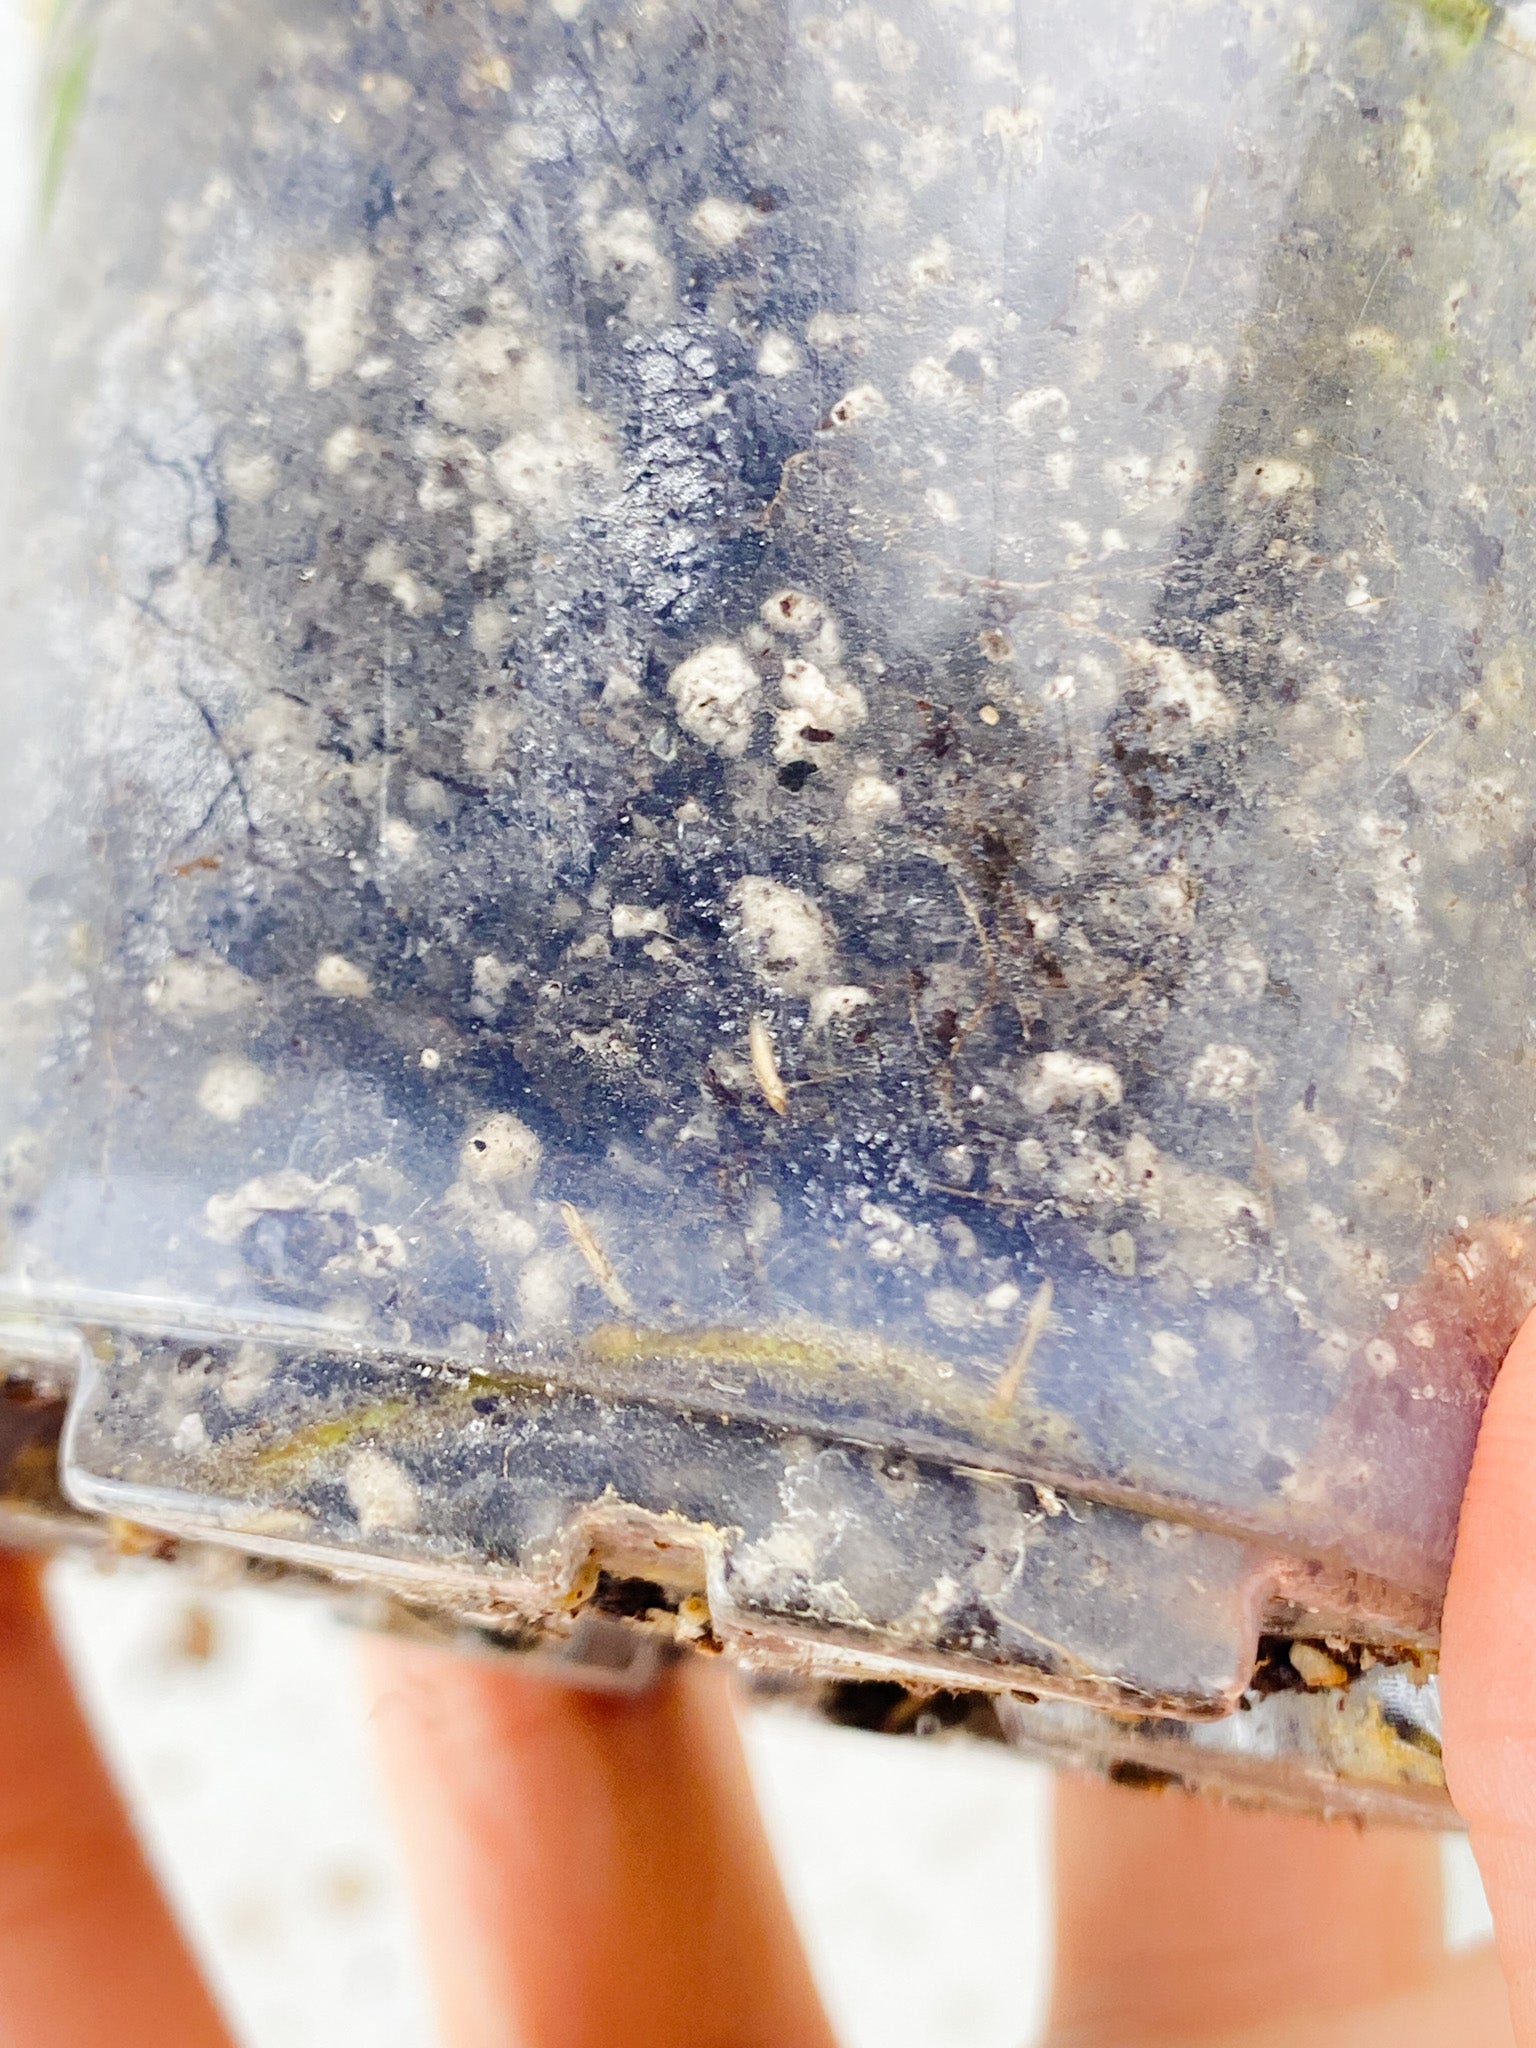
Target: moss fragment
64,97
1465,19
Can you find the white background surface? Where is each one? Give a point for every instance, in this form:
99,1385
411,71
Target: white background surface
918,1870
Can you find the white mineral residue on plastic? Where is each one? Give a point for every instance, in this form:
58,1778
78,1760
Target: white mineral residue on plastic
252,474
865,402
721,222
386,566
637,920
231,1087
383,1494
624,249
286,1192
1184,693
249,1373
1060,1080
716,692
544,1291
549,470
334,323
336,975
892,1239
777,355
784,935
505,1237
490,978
349,443
185,990
817,705
500,1152
1224,1073
1172,1356
837,1004
871,801
827,332
782,1568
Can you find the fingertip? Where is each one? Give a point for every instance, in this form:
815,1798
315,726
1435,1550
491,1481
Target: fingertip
1488,1667
547,1823
1488,1641
89,1949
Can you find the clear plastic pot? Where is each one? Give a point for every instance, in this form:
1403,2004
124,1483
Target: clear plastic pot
767,842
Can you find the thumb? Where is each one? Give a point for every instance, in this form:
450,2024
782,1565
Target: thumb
1488,1670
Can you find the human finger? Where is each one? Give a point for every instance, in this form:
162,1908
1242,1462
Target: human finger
1462,2005
1488,1669
90,1954
589,1868
1180,1919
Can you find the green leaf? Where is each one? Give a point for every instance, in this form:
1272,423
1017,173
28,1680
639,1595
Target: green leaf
1465,19
64,98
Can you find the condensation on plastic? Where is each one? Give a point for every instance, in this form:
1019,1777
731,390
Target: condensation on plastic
767,810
